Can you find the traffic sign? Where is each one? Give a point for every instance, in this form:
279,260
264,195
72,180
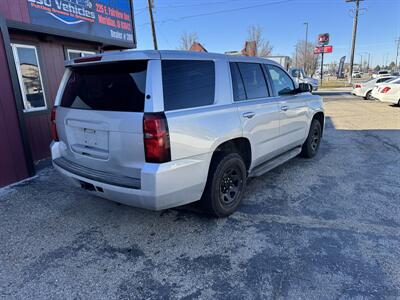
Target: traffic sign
323,39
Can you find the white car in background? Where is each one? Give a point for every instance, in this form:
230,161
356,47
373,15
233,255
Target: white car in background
388,92
364,89
299,76
380,74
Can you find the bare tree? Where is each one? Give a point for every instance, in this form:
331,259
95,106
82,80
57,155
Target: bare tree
263,46
307,57
187,40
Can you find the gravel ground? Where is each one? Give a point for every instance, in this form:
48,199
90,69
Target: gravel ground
327,228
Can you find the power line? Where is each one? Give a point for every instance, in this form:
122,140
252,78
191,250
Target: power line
217,12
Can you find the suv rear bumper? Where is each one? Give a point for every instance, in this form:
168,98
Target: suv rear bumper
161,186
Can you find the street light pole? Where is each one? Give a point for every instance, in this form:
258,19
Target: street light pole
397,53
306,48
353,43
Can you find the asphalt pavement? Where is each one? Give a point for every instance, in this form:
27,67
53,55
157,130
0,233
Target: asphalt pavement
326,228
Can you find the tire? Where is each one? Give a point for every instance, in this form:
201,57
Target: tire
368,96
311,88
311,145
225,184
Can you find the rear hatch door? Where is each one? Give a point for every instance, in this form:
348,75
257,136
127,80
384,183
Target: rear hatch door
100,116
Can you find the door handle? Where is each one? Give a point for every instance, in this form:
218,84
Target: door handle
249,114
284,108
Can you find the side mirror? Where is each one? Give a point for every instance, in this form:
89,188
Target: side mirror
304,88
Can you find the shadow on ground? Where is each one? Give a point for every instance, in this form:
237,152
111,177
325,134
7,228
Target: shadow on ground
325,228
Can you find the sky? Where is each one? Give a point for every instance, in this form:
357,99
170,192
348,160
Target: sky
222,25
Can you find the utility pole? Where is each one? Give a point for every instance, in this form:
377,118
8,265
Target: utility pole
322,67
306,48
153,28
353,43
397,53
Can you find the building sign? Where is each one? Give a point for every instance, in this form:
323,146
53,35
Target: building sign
108,21
323,49
323,39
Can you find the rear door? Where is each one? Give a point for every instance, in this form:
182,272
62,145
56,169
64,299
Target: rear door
293,108
100,115
258,111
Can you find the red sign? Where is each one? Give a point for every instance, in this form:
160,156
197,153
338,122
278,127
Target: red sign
323,49
323,39
328,49
318,50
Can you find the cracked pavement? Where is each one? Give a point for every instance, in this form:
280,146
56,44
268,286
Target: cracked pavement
327,228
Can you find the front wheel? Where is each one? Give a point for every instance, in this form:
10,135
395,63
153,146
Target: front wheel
225,184
311,145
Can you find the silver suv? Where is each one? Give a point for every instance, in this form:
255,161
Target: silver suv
159,129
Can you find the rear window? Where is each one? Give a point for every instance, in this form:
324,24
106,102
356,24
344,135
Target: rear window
384,79
188,83
112,87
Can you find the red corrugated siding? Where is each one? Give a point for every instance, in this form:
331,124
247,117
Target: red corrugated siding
12,159
38,127
15,10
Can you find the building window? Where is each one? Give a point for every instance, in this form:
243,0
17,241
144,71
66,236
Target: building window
73,54
30,78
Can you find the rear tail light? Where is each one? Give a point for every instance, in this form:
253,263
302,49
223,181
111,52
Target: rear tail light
53,128
156,138
385,89
357,86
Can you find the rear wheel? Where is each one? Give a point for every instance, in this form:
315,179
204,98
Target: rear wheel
311,145
368,96
225,184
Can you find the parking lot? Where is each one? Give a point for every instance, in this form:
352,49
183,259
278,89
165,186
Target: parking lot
327,228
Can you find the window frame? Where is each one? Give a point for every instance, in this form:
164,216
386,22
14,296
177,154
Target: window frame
240,78
266,79
15,47
272,82
70,50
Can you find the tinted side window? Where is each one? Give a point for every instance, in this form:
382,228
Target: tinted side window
254,80
188,83
281,81
237,83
